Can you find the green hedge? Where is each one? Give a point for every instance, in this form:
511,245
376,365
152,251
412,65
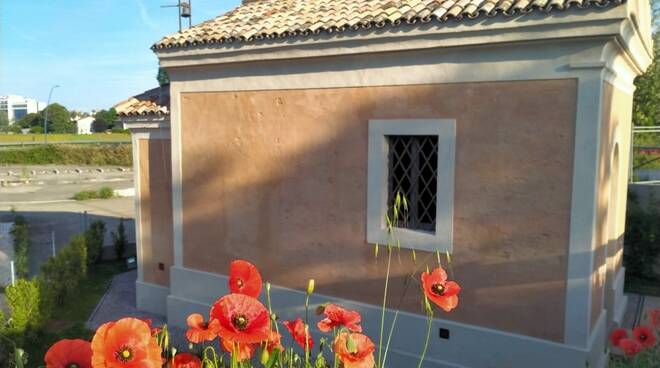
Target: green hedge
69,154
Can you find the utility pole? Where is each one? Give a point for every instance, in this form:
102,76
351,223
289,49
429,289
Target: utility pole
46,114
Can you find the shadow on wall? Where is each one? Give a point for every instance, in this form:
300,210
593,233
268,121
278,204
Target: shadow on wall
287,189
65,225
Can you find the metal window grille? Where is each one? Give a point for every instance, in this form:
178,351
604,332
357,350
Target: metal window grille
413,172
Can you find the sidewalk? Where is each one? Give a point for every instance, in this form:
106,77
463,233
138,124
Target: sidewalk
637,310
119,302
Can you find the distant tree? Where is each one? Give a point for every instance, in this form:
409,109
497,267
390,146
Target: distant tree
59,119
30,120
75,115
99,126
4,121
106,119
646,105
162,77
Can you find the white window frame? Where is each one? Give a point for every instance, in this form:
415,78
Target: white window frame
377,183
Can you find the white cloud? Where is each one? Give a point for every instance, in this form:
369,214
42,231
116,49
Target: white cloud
146,18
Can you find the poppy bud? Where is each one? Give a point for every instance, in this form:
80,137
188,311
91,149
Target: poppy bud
414,256
376,251
350,344
264,357
310,287
190,346
268,287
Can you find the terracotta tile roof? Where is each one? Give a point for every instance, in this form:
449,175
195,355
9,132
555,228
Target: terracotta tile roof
152,102
268,19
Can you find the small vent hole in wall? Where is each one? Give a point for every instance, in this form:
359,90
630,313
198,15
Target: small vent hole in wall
444,333
161,266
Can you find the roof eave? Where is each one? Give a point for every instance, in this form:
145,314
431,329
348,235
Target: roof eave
523,28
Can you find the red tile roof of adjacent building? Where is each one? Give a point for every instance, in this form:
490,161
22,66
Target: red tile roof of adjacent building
269,19
155,101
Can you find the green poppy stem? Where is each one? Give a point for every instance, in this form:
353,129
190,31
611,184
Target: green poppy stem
382,314
428,338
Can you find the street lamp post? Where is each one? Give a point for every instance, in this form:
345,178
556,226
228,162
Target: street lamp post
46,114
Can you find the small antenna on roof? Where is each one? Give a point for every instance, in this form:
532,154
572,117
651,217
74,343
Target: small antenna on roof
185,11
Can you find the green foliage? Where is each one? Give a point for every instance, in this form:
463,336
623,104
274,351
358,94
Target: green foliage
99,126
103,193
649,358
59,119
4,121
62,274
21,237
25,304
85,195
94,239
646,105
120,239
30,120
63,154
162,77
104,120
642,241
106,192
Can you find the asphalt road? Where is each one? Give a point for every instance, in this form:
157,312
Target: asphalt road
47,205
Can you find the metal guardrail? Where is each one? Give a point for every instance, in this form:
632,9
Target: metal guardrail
30,144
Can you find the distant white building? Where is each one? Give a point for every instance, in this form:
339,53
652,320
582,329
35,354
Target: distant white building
18,106
85,125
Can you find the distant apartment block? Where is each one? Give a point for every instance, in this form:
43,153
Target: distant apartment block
18,106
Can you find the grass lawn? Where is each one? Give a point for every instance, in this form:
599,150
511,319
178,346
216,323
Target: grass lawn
29,138
68,320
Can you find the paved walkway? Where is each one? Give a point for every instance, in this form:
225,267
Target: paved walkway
638,307
119,302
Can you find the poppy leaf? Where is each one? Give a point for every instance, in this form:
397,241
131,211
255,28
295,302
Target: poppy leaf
272,359
18,356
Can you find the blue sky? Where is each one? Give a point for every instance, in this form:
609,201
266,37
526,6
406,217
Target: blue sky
97,50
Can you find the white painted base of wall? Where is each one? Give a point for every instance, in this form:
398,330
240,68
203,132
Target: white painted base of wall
151,298
468,346
620,300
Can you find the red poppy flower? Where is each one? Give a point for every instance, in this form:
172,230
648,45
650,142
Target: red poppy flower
300,333
200,330
617,335
245,351
69,353
440,291
186,360
126,343
630,347
241,318
244,278
359,354
338,316
644,335
274,342
654,317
